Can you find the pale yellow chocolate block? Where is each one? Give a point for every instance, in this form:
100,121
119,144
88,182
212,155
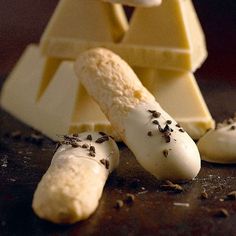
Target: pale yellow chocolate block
80,24
169,36
179,94
63,105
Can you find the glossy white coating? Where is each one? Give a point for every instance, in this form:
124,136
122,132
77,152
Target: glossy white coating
165,154
219,145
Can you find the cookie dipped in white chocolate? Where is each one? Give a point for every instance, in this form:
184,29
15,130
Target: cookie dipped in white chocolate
137,3
219,145
159,144
72,186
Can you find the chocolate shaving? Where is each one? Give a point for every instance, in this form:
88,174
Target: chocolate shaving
165,153
92,149
231,195
89,137
204,195
181,130
156,122
169,186
102,133
129,198
149,133
102,139
85,145
119,204
105,163
222,212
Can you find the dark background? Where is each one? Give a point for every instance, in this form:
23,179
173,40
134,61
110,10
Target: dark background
23,21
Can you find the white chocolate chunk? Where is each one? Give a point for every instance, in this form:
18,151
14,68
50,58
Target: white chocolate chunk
72,186
70,109
137,3
122,97
219,145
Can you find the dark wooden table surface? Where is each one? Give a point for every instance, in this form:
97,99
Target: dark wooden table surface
154,212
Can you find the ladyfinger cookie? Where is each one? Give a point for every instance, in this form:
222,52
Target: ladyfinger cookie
137,3
72,186
159,143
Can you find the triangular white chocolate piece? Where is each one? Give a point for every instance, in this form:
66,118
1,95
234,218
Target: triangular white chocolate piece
178,93
63,107
168,36
81,24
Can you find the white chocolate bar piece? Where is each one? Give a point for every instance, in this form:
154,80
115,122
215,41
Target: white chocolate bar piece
179,95
86,22
137,3
72,186
165,37
160,145
219,145
45,94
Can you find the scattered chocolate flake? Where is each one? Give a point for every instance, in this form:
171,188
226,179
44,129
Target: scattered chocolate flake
230,121
16,134
102,133
149,133
85,145
165,153
152,111
231,195
92,149
75,135
167,137
204,195
166,128
222,212
89,137
168,122
105,163
233,127
178,125
181,130
169,186
119,204
129,198
155,122
156,114
75,145
92,154
102,139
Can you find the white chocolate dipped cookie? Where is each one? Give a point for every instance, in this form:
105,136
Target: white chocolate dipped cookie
219,145
137,3
72,186
160,145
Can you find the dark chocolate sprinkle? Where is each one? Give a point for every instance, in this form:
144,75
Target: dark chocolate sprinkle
119,204
89,137
168,122
231,195
102,133
75,145
92,149
204,195
102,139
156,114
233,127
156,122
222,212
181,130
92,154
85,145
75,135
165,153
105,163
149,133
178,125
129,198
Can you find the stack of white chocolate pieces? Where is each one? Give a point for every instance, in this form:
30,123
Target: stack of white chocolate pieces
164,44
